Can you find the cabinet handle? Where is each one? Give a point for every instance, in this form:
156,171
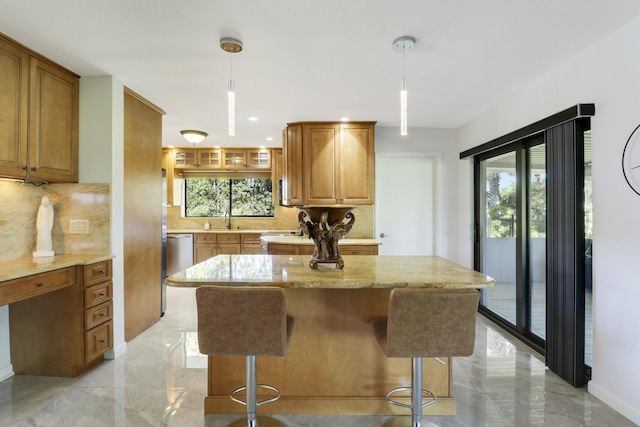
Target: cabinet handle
102,341
39,284
102,271
34,168
26,168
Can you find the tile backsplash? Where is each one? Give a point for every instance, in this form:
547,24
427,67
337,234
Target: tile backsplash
19,204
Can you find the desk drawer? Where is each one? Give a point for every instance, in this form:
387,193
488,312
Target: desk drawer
98,314
98,340
27,287
97,273
98,294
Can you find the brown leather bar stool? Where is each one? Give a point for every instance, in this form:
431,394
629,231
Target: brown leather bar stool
426,323
248,321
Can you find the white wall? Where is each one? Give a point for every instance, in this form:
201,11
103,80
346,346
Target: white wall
101,157
608,75
440,141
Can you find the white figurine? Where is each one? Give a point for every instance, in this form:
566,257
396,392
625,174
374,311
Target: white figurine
44,224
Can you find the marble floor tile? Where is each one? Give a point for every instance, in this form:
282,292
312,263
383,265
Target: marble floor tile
161,381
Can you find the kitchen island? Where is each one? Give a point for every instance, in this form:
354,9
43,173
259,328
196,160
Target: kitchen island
334,364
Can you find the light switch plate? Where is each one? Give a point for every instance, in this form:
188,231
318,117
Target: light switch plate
79,226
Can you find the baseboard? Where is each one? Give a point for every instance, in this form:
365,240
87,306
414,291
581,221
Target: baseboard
6,372
116,351
626,409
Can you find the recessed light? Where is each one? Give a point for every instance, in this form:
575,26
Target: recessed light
253,119
171,146
344,119
269,138
263,146
216,146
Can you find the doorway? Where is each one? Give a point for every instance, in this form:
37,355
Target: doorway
408,208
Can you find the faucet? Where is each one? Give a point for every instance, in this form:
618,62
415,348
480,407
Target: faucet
227,219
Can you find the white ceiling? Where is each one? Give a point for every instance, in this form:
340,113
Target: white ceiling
312,59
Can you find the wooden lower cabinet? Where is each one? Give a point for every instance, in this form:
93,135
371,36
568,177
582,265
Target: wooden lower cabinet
250,244
207,245
290,249
65,332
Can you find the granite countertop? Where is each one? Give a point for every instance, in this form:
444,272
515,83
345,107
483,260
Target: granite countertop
22,267
360,271
305,240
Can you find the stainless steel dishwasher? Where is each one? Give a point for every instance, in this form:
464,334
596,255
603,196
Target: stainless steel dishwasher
179,252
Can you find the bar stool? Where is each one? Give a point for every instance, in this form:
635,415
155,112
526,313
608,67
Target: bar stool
426,323
248,321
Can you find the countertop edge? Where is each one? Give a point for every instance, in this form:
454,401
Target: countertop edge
27,266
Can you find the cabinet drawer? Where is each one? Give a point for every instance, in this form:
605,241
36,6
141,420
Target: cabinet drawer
98,314
283,249
228,238
98,294
19,289
97,273
253,238
98,340
204,238
358,250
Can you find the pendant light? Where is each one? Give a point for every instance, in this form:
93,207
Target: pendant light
403,44
232,46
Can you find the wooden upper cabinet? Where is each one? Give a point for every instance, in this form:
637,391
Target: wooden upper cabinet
39,101
234,158
14,97
329,164
259,158
204,158
357,164
53,123
321,164
292,165
222,158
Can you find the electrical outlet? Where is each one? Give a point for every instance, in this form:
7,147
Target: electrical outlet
79,226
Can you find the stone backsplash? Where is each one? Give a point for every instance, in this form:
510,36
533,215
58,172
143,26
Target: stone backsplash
19,204
285,219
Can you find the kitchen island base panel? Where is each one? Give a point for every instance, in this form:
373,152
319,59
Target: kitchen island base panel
333,365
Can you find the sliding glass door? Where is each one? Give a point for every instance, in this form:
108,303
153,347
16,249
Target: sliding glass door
511,236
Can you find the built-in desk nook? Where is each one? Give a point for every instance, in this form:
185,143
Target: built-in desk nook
60,312
334,364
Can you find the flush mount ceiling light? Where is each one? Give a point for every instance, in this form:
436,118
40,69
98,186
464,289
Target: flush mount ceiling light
232,46
193,136
403,44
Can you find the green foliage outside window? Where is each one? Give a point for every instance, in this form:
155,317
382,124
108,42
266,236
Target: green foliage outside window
501,204
211,197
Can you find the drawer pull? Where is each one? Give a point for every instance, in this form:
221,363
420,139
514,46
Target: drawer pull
102,271
39,284
102,341
101,294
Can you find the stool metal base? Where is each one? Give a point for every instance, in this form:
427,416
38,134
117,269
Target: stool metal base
251,393
260,421
417,393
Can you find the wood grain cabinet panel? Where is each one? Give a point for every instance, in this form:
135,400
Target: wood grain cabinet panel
40,104
64,332
329,164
